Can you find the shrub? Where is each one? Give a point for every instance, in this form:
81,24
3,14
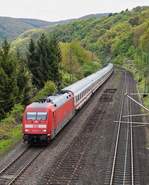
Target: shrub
49,89
14,116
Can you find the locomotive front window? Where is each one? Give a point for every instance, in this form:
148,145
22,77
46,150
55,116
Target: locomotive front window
31,116
36,115
41,115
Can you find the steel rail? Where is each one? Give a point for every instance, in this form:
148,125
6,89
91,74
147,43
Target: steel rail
118,134
24,168
127,141
131,144
12,162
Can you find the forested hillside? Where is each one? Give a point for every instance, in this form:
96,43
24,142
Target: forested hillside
10,27
122,38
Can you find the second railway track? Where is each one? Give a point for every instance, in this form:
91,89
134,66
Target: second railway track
122,166
10,173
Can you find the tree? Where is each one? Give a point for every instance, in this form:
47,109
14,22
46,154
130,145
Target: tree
134,21
24,82
33,64
8,79
55,56
43,60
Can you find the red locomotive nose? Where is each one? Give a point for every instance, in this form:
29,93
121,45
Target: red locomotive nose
36,121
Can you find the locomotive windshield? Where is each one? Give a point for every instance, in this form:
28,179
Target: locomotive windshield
31,115
36,116
41,115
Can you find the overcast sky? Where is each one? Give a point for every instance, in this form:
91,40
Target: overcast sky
53,10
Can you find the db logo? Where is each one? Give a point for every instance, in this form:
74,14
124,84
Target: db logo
35,126
36,122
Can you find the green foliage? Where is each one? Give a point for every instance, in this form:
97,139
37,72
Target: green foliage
14,116
119,37
10,138
15,84
77,62
24,83
43,61
33,64
10,28
8,79
55,57
21,43
134,21
48,89
10,128
144,41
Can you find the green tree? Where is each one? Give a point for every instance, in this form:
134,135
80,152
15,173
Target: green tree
24,82
8,79
33,65
43,60
55,56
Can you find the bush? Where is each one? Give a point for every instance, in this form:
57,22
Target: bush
49,89
10,124
14,116
89,68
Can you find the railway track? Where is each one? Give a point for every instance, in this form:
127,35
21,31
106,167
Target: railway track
67,166
10,173
122,165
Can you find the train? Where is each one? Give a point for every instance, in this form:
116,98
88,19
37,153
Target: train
43,120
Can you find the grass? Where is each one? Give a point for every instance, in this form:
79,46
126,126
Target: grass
13,136
10,128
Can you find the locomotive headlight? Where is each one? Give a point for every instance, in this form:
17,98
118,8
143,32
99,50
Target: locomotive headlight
44,130
26,130
28,126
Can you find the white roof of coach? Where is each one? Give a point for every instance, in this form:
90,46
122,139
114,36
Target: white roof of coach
81,84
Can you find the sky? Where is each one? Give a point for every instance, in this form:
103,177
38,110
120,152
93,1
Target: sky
54,10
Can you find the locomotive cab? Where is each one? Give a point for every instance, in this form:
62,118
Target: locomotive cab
37,122
42,121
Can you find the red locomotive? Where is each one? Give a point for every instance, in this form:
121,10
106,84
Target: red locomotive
43,120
